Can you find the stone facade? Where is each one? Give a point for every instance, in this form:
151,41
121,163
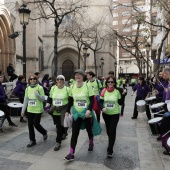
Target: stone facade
40,43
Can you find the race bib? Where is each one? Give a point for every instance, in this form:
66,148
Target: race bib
32,102
110,105
81,104
57,102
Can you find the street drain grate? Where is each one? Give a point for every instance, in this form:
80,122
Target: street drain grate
119,162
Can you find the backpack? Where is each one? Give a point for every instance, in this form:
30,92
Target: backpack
97,81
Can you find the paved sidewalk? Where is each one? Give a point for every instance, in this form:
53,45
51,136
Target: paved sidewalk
135,148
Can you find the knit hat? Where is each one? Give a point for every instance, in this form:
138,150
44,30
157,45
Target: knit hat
61,76
80,72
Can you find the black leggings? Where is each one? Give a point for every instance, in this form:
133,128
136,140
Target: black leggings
76,129
34,121
59,128
111,122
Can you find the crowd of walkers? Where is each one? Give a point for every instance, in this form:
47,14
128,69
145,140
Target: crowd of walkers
85,98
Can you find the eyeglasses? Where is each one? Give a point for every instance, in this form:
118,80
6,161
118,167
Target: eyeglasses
59,79
110,82
33,79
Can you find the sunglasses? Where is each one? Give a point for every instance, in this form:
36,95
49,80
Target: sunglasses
110,82
59,79
33,79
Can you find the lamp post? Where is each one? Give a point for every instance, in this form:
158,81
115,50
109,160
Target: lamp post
24,15
115,69
147,63
102,63
85,56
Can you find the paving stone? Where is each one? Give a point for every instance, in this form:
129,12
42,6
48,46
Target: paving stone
7,164
19,144
126,151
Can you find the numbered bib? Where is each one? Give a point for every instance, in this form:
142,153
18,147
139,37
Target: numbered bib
32,102
81,104
110,105
57,102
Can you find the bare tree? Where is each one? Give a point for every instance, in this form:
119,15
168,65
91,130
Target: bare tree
57,10
77,32
134,44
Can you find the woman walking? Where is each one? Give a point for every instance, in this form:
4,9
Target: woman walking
81,97
58,99
33,101
109,100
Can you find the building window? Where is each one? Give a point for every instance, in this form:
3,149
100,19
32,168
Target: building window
115,14
115,22
126,29
126,13
125,54
114,6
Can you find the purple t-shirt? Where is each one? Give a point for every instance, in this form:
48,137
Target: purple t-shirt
142,90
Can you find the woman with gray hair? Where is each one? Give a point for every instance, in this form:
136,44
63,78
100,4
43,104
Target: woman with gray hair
57,105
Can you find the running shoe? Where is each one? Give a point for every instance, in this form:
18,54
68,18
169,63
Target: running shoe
32,143
69,157
90,147
45,136
57,147
109,155
166,153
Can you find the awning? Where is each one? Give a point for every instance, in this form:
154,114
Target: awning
162,61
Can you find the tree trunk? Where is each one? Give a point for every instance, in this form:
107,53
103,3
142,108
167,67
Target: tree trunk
79,55
95,63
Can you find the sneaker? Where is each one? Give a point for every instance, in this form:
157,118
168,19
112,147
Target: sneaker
134,117
12,124
32,143
90,147
45,136
166,153
69,157
57,147
109,155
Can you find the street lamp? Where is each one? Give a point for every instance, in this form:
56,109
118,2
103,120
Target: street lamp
115,69
102,63
24,15
85,56
147,64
